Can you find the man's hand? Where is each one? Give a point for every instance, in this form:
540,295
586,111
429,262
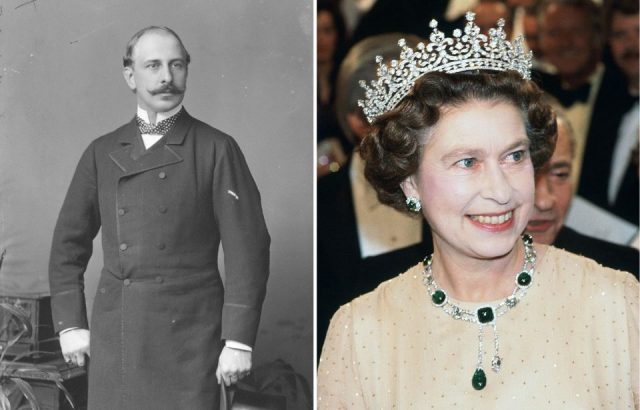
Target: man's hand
75,344
233,365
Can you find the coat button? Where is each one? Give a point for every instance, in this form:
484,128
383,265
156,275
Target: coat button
122,211
159,279
127,282
103,290
162,175
123,246
162,210
161,246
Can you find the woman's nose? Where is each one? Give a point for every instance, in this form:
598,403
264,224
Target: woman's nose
496,185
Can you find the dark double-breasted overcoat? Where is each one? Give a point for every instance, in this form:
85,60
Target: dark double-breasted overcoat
161,313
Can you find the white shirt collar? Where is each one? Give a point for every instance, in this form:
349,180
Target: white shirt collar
160,116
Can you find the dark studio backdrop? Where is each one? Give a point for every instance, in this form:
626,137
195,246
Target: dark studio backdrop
251,76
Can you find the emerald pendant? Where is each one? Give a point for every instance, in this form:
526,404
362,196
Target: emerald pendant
524,279
485,315
479,379
438,297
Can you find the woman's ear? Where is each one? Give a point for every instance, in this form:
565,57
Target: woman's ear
409,187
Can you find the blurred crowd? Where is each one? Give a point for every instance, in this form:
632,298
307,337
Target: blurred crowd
585,59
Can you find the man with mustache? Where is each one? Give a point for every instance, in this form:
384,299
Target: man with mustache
166,190
611,171
623,182
624,26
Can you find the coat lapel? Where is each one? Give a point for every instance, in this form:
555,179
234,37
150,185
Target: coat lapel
156,158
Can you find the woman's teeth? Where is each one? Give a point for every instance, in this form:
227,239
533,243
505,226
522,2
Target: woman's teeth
494,219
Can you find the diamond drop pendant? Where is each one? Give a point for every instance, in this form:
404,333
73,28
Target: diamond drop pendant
496,363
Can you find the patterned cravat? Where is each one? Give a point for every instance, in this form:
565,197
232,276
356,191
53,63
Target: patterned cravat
160,128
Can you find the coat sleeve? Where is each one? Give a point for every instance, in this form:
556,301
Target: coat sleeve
245,241
77,225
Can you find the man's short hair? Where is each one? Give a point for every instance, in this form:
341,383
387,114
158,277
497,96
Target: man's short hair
624,7
127,60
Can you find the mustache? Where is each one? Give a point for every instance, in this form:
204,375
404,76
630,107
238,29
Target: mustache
168,88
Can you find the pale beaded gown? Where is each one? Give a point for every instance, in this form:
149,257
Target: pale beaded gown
570,343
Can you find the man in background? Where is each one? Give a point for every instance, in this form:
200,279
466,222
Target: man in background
554,191
592,93
610,175
487,14
166,190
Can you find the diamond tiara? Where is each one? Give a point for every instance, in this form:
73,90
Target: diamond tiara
465,51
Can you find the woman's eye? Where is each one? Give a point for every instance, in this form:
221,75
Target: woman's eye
466,163
517,156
